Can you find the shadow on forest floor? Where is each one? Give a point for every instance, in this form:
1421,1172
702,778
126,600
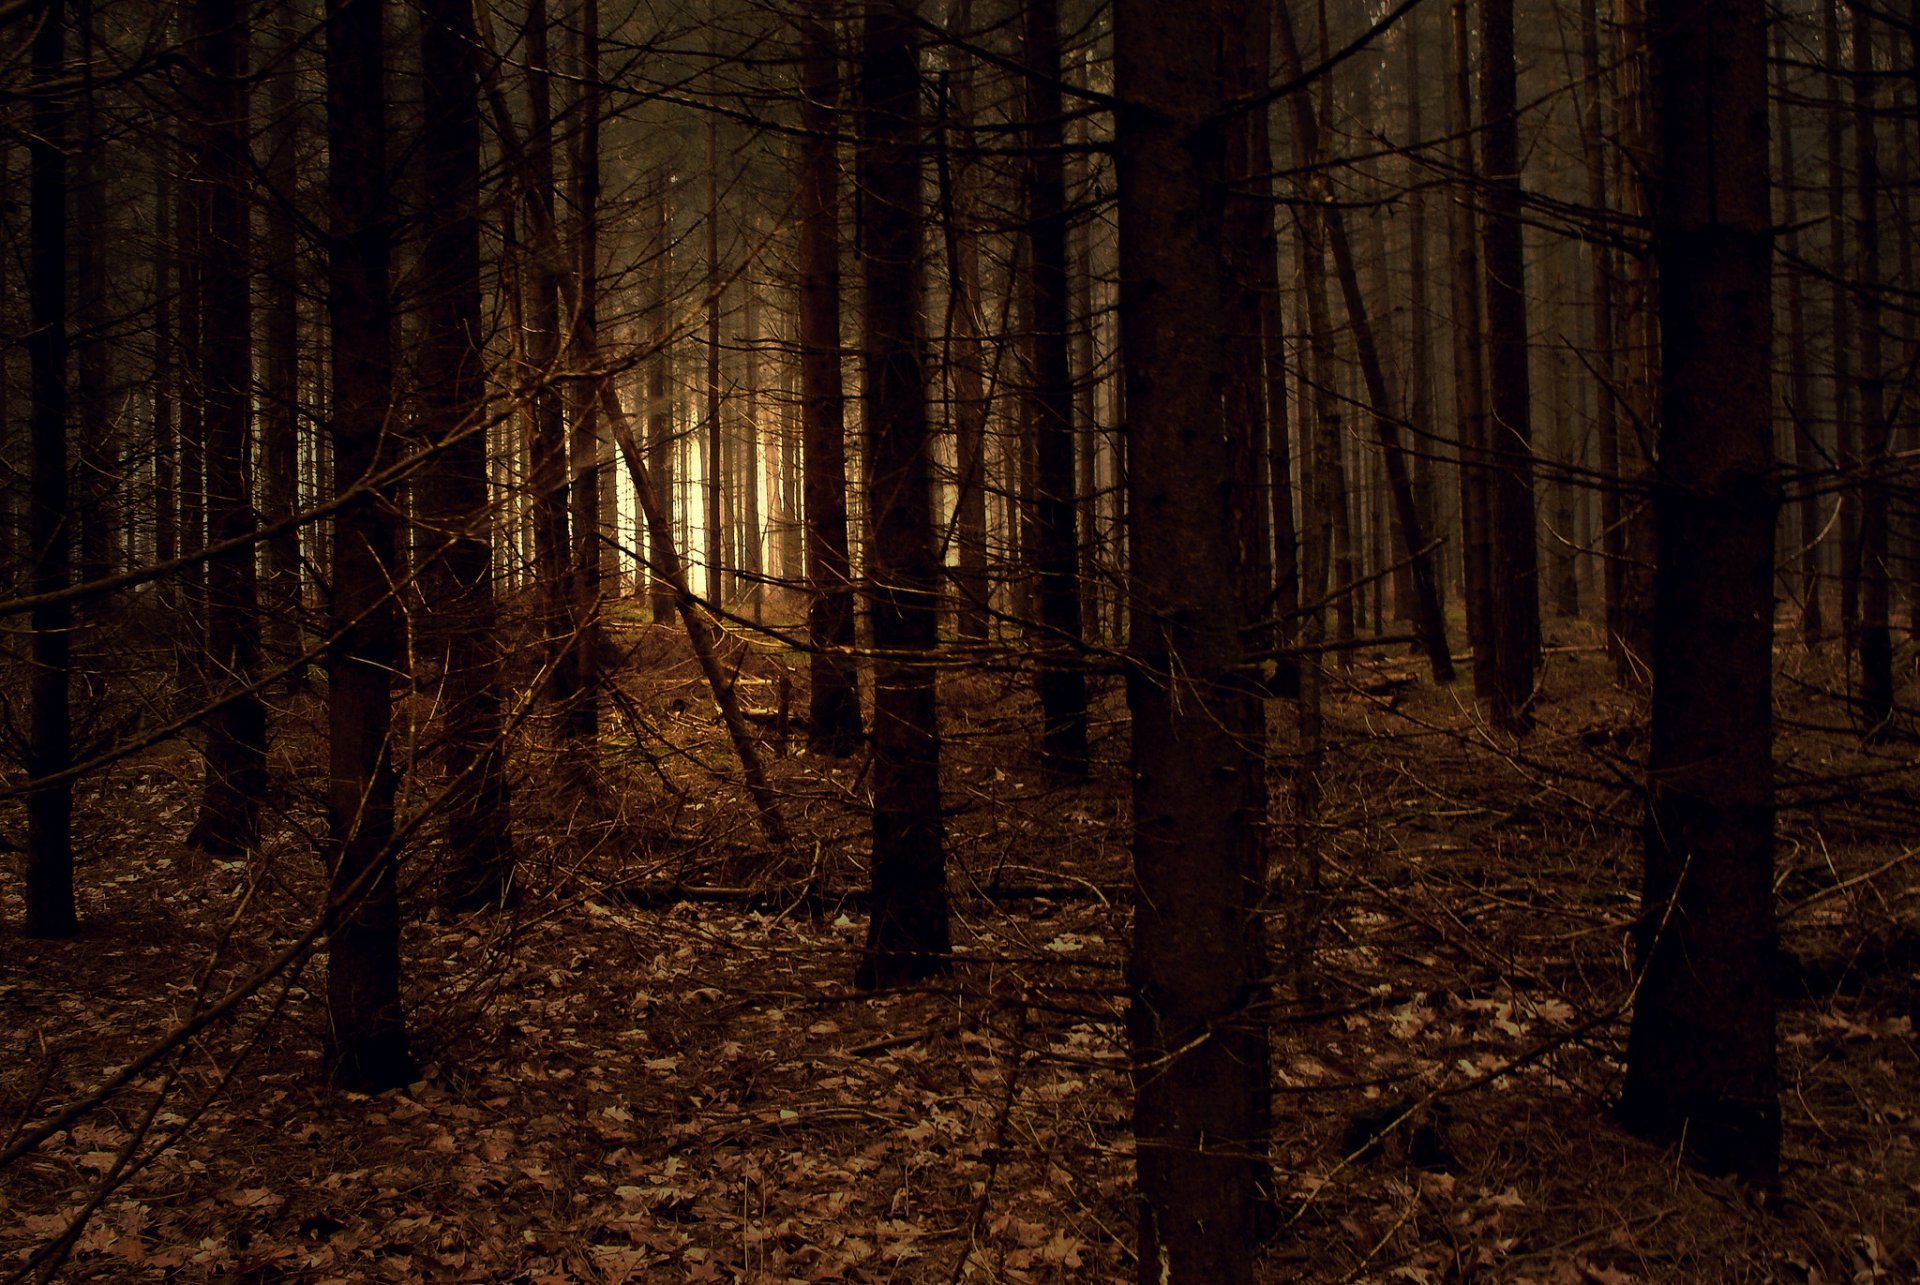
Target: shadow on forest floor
654,1068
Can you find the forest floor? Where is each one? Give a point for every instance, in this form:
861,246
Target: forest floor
654,1068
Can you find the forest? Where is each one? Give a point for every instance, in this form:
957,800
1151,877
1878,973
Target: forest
959,640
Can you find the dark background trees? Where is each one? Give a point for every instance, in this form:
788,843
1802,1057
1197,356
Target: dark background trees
978,473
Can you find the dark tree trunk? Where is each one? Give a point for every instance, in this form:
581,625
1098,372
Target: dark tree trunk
95,513
1515,560
907,937
1199,1053
1846,429
1600,353
1875,635
49,872
659,421
166,277
1701,1060
833,723
1799,382
279,411
547,441
459,635
1061,682
718,565
1469,372
236,729
1427,610
966,365
367,1038
581,717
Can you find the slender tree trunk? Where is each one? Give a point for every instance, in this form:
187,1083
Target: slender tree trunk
1601,353
1701,1062
1846,429
1799,381
582,715
96,514
907,937
966,366
1248,62
1428,612
166,280
1875,635
460,633
1515,562
659,422
236,729
1062,684
1469,377
719,566
1420,337
833,716
547,433
367,1048
1198,1049
49,866
280,393
752,531
1639,368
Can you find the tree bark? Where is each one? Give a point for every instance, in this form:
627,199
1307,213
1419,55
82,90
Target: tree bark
833,723
367,1045
236,728
1874,639
1469,371
1198,1051
908,934
1062,685
1431,621
1701,1060
49,867
461,623
1515,556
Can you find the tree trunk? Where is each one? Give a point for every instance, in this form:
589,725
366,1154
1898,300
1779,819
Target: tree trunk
1846,429
581,717
1601,352
718,565
1515,560
1198,1050
1469,372
279,408
1799,384
907,937
367,1045
659,421
1062,684
833,722
1427,610
966,366
460,628
49,872
1701,1060
1875,636
546,425
236,728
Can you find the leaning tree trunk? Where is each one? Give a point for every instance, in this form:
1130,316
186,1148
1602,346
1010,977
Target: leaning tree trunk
49,872
1429,617
367,1045
1701,1060
833,714
1198,1047
236,728
907,937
